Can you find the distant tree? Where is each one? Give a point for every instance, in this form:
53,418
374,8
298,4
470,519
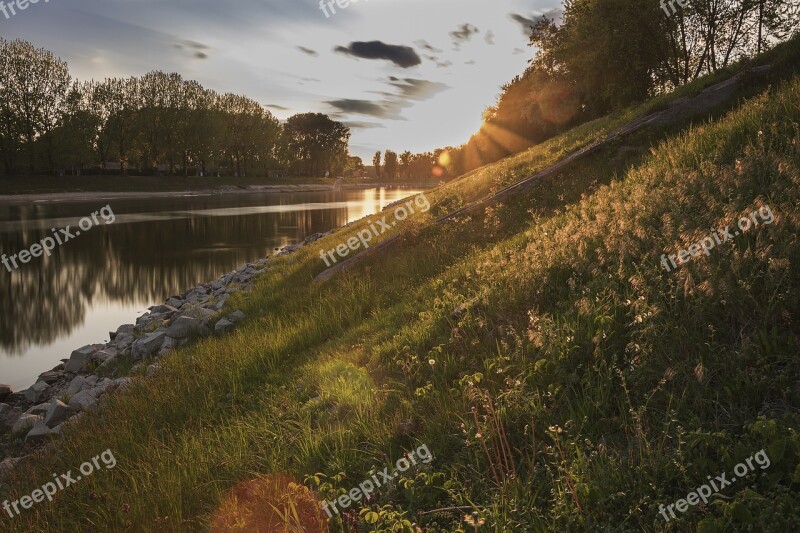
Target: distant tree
390,164
354,164
34,85
376,162
405,160
317,143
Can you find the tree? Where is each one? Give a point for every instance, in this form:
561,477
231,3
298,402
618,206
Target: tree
390,164
405,160
34,87
376,162
317,143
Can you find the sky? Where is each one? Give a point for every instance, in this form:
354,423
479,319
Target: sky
402,74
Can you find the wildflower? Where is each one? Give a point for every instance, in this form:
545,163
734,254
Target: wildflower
474,520
431,362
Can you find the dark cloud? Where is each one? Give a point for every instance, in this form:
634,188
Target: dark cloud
278,107
402,56
385,109
195,49
413,89
308,51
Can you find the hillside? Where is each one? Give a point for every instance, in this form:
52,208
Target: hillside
559,375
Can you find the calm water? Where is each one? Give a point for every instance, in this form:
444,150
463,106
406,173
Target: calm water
155,248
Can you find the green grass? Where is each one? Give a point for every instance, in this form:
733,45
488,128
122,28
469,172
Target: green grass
616,385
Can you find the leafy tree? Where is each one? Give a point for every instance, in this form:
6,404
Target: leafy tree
390,164
376,162
405,161
317,143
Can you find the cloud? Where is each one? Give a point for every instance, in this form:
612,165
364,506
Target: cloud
195,49
278,107
489,37
414,89
422,43
402,56
385,109
308,51
463,34
356,125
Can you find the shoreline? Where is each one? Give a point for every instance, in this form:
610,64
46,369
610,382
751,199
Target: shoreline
16,199
35,417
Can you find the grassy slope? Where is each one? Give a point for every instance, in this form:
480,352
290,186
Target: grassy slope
609,375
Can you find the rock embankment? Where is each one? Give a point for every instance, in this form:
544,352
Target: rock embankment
34,416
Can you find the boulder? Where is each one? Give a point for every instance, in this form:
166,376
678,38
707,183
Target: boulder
175,302
8,416
104,355
123,383
236,316
37,393
109,363
76,385
40,409
224,326
51,377
169,344
79,358
200,313
25,422
163,309
82,401
152,370
5,392
147,345
38,434
220,303
183,327
103,386
57,412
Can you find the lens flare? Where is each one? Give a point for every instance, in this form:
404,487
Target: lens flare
276,503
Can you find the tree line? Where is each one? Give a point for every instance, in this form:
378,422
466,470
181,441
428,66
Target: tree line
605,55
158,123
